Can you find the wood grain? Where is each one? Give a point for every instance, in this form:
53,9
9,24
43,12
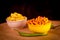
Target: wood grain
7,33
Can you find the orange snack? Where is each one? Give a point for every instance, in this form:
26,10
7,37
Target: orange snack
39,20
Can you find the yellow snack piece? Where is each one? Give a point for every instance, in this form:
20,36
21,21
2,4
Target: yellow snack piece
13,15
12,19
8,18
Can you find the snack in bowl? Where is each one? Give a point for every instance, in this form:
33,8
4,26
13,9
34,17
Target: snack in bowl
39,25
16,20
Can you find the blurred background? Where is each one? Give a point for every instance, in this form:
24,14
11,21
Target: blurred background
30,8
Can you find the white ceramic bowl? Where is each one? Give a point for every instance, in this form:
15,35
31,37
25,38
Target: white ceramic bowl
15,24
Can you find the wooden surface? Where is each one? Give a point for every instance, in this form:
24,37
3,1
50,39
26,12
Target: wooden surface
7,33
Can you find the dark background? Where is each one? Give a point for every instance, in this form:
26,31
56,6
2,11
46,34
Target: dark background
30,8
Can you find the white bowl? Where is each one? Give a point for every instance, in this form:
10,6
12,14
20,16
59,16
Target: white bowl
15,24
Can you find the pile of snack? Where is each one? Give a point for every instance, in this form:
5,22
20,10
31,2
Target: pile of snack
15,16
38,21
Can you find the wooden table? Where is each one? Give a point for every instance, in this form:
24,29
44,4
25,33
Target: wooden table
7,33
